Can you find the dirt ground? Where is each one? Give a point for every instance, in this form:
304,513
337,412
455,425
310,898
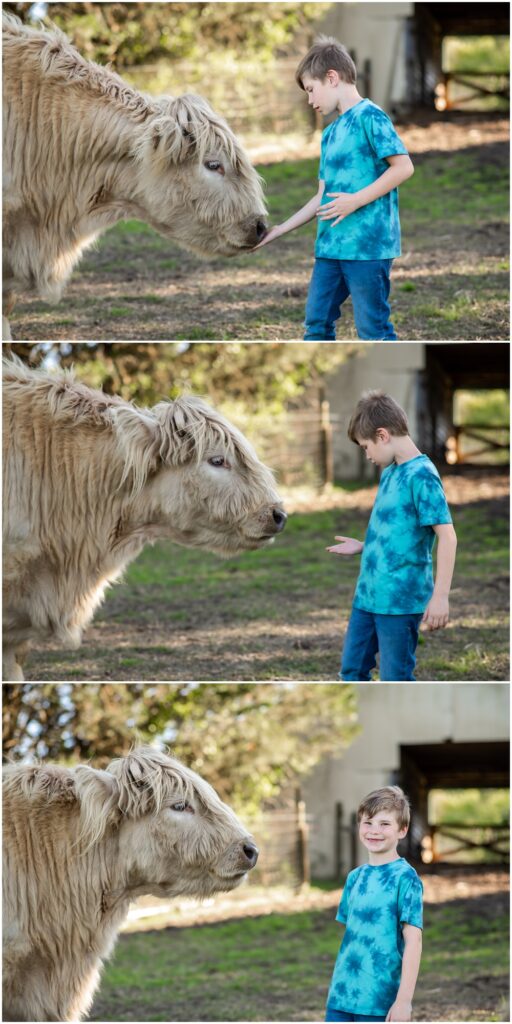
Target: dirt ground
282,628
139,286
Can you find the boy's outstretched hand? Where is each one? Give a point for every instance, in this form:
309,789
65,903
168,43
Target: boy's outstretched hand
274,232
348,546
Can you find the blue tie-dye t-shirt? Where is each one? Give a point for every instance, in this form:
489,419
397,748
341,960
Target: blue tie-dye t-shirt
396,576
377,900
354,148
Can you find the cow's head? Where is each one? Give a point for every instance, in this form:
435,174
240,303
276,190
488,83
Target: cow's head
195,182
175,835
198,476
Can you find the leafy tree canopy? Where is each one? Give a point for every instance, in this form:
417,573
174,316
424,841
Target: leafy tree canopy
133,33
257,378
249,740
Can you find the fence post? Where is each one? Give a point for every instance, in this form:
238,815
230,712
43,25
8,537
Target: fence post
338,845
326,440
353,840
302,840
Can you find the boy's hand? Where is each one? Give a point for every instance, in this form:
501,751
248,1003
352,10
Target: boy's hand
342,205
349,546
437,613
274,232
400,1011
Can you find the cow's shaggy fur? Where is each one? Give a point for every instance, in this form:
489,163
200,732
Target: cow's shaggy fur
83,150
79,844
89,479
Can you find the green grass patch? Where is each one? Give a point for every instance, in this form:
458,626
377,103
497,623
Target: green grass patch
281,613
278,967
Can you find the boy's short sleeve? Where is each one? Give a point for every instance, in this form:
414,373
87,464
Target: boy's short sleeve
382,135
321,166
342,913
410,904
430,500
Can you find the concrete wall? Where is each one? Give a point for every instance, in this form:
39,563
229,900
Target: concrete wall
395,368
376,32
390,716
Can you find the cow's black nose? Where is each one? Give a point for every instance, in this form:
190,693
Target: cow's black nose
279,517
261,230
251,852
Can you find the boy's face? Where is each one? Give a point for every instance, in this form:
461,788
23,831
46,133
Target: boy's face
322,95
379,451
381,833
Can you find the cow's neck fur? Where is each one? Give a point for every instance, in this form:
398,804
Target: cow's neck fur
68,922
102,124
89,526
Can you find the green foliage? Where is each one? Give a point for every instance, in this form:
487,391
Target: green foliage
248,740
476,53
252,383
474,806
482,407
135,33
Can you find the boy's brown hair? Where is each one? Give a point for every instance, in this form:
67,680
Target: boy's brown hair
326,54
389,798
377,409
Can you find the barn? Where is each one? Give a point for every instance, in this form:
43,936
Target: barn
422,738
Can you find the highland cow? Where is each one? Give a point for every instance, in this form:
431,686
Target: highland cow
79,844
89,479
83,150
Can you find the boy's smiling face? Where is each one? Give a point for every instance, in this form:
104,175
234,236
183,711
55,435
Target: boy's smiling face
323,95
380,835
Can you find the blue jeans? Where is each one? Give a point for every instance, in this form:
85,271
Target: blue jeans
332,281
332,1014
395,636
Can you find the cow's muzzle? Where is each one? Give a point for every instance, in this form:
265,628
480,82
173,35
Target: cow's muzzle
251,854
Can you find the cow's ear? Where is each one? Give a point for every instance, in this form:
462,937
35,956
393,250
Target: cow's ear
138,440
134,786
97,795
182,128
170,142
180,428
170,137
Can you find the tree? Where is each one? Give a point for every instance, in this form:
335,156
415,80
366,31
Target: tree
128,34
249,740
262,377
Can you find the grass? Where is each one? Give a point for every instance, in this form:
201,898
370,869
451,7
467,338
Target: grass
278,967
451,283
280,613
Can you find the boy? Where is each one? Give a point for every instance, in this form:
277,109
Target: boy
395,591
362,163
377,966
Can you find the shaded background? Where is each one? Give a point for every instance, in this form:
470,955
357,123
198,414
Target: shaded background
295,760
439,70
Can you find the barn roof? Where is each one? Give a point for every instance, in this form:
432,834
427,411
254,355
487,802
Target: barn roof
470,19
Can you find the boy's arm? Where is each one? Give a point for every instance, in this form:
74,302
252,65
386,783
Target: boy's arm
303,216
437,611
401,1010
400,168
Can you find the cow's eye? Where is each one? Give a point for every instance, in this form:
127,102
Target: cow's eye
219,461
181,806
214,165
